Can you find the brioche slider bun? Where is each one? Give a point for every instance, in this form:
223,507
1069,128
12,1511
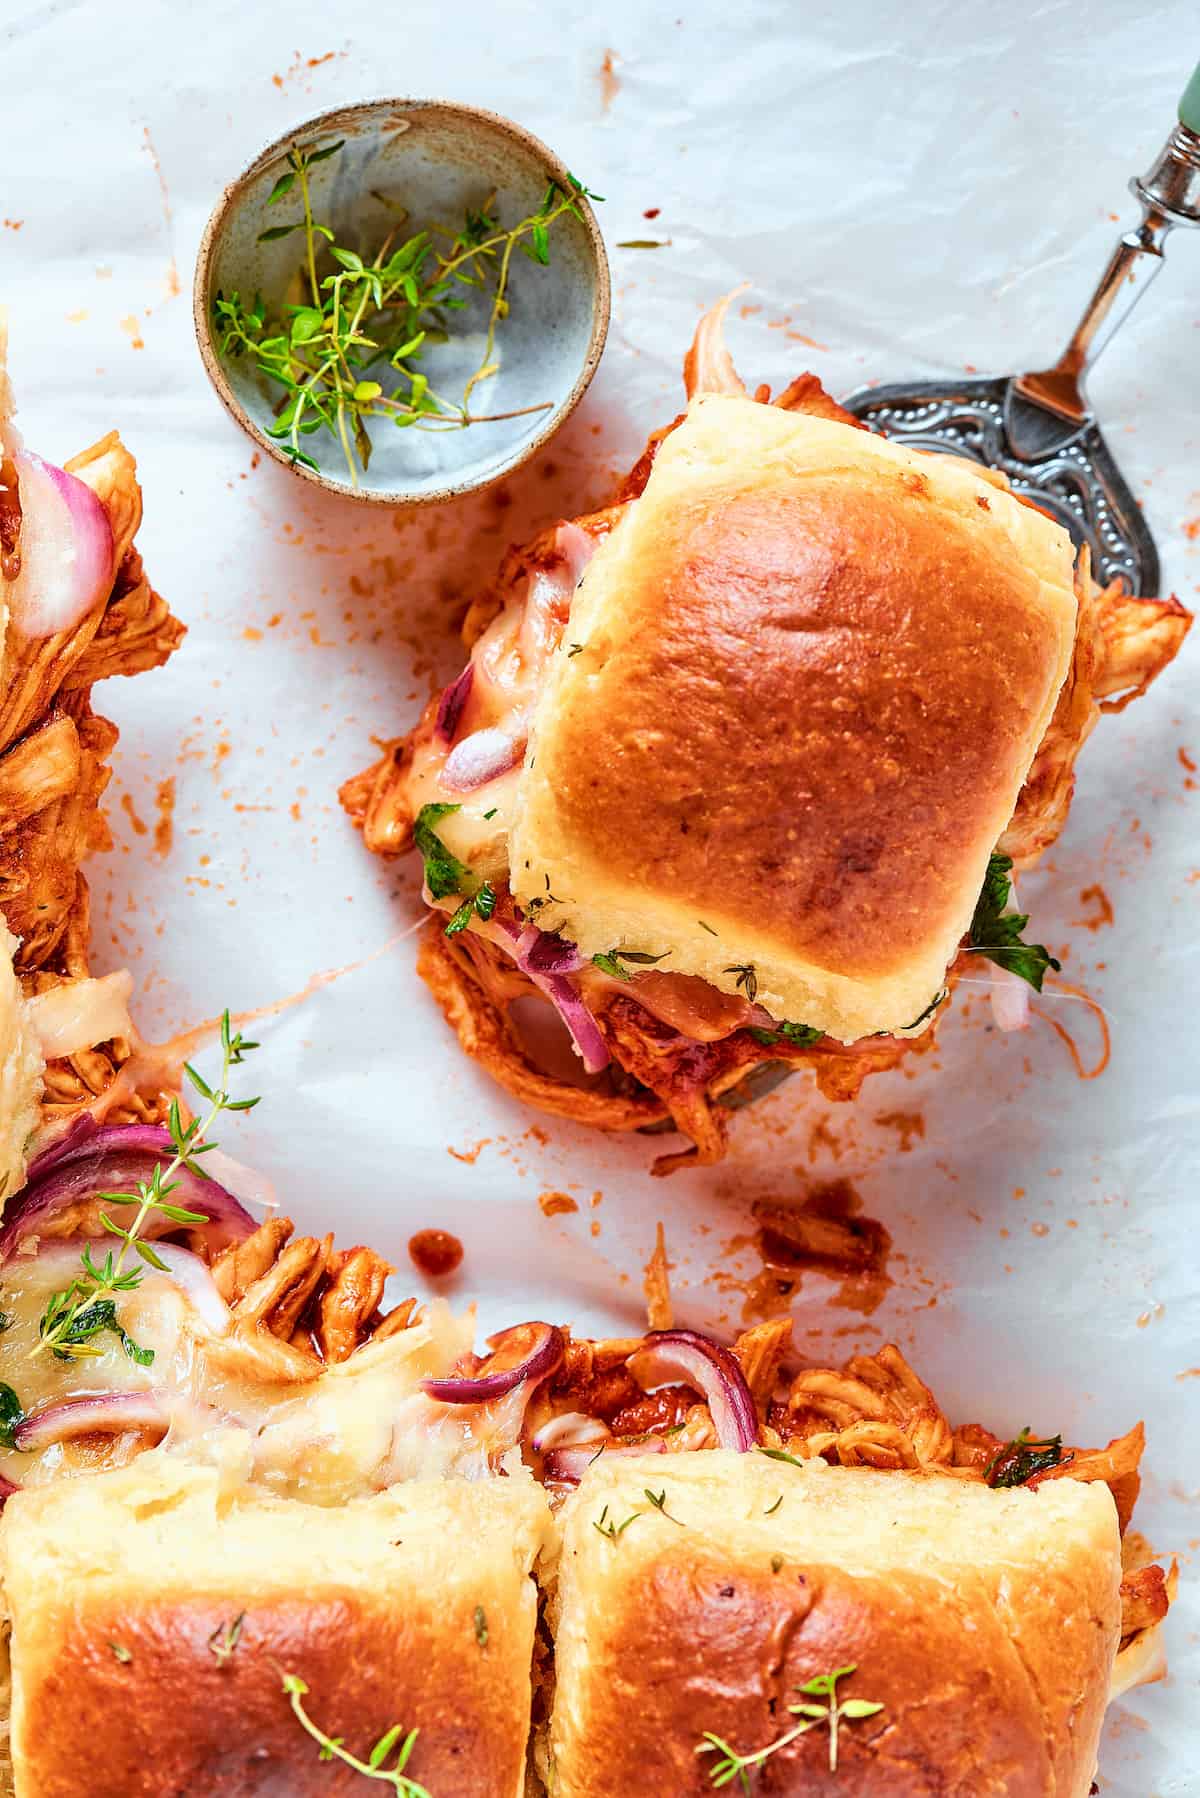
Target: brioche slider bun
803,682
974,1630
154,1616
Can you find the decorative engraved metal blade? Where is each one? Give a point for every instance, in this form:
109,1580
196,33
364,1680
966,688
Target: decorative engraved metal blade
1068,471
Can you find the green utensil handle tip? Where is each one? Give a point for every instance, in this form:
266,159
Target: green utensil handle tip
1189,105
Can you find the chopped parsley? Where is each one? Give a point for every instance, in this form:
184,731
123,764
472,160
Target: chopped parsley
481,904
800,1035
11,1413
996,932
444,873
1019,1460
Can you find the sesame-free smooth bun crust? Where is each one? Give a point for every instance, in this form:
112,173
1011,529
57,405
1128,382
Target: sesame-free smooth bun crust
373,1604
814,669
984,1622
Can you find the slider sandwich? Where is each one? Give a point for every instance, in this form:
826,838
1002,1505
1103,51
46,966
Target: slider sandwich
75,608
739,768
249,1476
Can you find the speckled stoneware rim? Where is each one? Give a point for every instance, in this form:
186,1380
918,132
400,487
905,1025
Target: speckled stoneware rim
346,118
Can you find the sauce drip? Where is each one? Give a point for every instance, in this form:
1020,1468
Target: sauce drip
435,1253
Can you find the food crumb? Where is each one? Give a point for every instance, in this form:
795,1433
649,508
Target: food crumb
130,811
470,1156
164,829
556,1204
610,85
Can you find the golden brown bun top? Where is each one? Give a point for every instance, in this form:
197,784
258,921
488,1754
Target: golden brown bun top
985,1623
814,669
414,1606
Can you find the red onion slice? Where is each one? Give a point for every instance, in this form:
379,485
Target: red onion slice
1009,997
545,952
450,705
189,1273
66,546
569,1465
571,1429
671,1357
585,1032
479,758
106,1413
539,1361
91,1158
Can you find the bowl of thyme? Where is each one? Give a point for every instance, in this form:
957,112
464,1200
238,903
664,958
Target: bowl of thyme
402,300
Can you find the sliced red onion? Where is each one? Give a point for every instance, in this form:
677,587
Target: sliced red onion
91,1158
569,1465
545,952
450,705
585,1032
189,1273
539,1362
107,1413
570,1429
66,546
1009,996
674,1356
483,756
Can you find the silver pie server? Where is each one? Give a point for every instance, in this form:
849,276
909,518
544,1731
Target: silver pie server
1039,428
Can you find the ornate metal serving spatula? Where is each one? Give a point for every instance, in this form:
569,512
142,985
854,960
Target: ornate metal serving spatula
1039,428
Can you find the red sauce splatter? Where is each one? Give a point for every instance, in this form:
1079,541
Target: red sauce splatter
164,829
1186,761
555,1204
470,1156
610,86
1191,526
435,1253
1103,914
130,811
651,212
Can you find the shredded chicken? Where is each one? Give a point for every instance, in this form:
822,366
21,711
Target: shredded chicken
54,764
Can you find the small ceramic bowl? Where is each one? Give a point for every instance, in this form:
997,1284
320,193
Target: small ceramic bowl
433,159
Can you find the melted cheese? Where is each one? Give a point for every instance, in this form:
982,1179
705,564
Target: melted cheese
359,1426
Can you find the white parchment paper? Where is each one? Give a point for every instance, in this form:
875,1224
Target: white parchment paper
910,190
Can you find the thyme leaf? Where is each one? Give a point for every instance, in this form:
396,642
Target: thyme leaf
731,1764
349,354
74,1317
332,1748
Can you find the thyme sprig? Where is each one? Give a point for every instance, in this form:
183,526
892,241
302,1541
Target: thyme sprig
370,319
73,1317
333,1748
731,1765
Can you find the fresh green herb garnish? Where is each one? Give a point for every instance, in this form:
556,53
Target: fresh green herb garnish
11,1413
830,1715
610,962
444,873
76,1342
121,1653
333,1749
574,650
659,1501
607,1527
927,1013
368,321
747,979
771,1509
492,813
644,243
798,1034
996,932
481,1628
225,1638
1022,1458
707,927
66,1327
481,904
781,1454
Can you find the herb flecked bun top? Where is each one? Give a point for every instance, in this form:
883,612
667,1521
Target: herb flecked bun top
809,672
723,1618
